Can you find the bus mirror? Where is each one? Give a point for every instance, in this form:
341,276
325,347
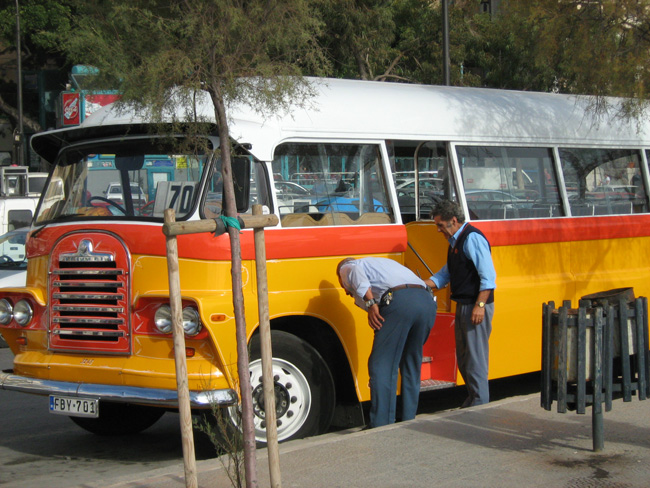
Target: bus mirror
129,162
241,174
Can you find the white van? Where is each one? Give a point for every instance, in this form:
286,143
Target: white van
16,212
17,200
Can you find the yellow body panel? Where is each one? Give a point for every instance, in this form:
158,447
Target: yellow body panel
529,275
292,292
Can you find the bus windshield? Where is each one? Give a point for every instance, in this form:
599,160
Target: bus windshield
122,180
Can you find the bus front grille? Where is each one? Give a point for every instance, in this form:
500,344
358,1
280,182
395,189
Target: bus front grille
89,294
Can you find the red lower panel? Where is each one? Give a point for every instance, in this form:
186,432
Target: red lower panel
441,348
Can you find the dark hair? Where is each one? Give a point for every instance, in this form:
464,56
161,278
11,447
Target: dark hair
342,263
447,210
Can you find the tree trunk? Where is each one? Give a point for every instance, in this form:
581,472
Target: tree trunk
248,427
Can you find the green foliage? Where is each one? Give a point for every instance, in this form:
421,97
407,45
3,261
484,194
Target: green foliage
147,48
596,47
497,53
42,23
359,36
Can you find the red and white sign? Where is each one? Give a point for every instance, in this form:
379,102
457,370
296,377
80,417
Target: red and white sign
71,108
94,102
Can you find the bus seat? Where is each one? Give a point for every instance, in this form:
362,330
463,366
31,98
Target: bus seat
496,212
535,212
488,210
622,208
582,209
373,218
613,208
336,218
298,220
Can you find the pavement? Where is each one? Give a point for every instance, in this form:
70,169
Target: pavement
508,443
512,442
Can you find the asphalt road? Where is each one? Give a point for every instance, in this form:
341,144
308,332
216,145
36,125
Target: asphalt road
39,449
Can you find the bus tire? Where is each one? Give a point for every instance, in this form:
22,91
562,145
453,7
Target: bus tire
120,419
304,389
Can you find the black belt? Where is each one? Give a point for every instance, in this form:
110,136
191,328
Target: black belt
389,292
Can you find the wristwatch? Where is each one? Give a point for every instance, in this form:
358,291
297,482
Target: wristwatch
371,302
481,304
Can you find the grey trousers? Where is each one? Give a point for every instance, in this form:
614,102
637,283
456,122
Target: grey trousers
473,352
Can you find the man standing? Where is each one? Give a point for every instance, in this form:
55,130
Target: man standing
471,275
401,311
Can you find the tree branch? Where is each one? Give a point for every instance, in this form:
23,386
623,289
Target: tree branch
12,112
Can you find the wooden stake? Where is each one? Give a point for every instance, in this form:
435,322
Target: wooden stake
216,225
184,409
171,229
268,383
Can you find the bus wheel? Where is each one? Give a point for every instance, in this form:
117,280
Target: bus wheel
304,389
120,419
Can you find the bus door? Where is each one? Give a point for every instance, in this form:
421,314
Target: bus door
424,179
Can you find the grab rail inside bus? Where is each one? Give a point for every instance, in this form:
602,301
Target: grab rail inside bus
420,258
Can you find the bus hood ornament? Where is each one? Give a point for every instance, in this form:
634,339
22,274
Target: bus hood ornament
85,254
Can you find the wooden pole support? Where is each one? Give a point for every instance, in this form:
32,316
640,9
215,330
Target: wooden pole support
179,356
268,383
216,225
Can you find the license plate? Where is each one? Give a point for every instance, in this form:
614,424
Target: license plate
74,407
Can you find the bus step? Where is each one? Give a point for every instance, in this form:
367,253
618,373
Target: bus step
427,385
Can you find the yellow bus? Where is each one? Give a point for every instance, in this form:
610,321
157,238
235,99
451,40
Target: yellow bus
561,194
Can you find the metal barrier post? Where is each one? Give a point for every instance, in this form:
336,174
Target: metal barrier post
594,354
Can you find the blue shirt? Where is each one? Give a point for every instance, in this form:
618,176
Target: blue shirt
378,274
477,249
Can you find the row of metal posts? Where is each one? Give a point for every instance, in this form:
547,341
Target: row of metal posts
595,354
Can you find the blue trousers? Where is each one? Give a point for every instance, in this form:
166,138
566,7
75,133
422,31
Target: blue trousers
408,319
473,352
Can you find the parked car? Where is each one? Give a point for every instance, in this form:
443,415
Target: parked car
492,196
13,258
289,189
406,200
293,197
114,192
425,183
613,192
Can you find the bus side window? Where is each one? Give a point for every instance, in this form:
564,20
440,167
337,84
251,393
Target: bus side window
509,182
604,181
320,184
428,160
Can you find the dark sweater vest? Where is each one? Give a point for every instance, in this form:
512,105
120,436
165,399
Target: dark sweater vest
463,276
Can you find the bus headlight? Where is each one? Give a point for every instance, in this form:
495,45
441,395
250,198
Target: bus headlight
6,311
191,321
163,319
23,313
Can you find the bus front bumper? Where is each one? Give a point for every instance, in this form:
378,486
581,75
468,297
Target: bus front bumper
115,393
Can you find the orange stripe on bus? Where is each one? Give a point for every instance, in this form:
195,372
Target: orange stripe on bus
280,243
537,231
354,240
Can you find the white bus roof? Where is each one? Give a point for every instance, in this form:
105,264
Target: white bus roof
353,109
